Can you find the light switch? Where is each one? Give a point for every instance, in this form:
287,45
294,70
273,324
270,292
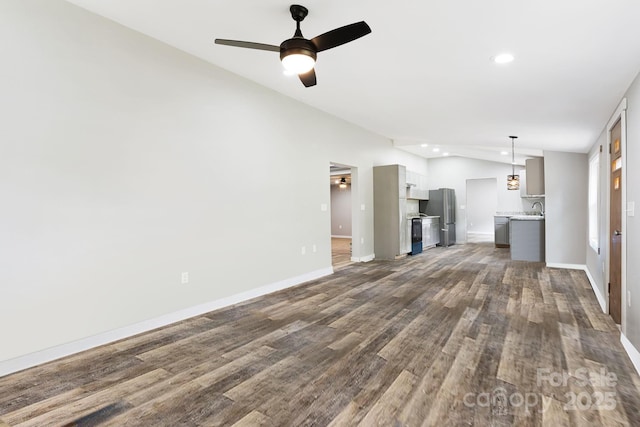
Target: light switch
362,207
631,208
323,207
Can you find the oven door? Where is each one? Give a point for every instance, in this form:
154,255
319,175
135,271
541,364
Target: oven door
416,236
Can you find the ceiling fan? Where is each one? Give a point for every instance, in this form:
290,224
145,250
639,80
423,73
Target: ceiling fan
298,55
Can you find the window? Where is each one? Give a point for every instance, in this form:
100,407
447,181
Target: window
594,180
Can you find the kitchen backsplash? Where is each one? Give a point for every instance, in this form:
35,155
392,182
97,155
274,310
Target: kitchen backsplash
413,207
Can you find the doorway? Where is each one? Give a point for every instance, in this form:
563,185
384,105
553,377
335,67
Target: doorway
340,182
482,204
615,223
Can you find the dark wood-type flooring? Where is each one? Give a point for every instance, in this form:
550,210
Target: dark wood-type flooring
453,336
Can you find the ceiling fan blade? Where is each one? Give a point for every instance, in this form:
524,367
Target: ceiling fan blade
341,35
248,45
308,79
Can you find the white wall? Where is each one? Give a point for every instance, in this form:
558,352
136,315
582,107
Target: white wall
340,211
566,210
453,172
632,233
124,162
482,205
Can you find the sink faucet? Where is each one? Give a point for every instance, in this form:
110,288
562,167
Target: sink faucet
541,206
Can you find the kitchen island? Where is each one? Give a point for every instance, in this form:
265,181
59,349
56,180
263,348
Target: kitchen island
523,233
527,238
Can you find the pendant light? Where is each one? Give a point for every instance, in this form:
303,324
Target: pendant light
343,182
513,180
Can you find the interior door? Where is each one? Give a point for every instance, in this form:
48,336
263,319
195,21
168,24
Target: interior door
615,225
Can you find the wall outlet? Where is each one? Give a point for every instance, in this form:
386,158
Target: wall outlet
362,207
315,249
184,278
362,240
323,207
304,250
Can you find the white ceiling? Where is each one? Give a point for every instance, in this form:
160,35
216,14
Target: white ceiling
424,74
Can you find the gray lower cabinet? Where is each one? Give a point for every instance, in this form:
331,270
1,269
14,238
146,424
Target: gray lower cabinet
501,226
527,240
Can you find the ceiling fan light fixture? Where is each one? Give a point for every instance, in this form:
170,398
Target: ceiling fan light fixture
298,55
298,62
343,182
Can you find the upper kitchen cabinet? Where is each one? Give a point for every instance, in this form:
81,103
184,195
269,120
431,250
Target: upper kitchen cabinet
417,186
532,178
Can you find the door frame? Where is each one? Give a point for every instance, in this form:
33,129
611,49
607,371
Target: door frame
356,207
619,114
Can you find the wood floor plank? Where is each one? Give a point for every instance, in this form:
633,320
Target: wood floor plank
89,404
417,341
253,419
384,412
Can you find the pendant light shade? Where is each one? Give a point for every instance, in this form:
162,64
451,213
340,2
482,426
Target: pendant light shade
513,180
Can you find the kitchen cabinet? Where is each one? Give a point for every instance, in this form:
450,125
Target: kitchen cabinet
527,238
501,233
430,231
390,212
417,186
532,178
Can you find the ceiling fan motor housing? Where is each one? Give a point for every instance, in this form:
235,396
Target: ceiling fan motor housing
298,46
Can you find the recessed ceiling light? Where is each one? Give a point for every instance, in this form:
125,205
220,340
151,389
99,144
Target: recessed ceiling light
424,145
445,154
504,153
435,150
503,58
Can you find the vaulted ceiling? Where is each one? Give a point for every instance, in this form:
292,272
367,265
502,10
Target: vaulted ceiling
425,76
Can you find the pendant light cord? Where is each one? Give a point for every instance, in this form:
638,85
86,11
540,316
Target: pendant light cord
513,157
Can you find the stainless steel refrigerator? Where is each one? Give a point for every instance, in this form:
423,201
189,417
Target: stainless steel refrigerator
442,203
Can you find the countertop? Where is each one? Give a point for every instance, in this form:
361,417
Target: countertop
527,218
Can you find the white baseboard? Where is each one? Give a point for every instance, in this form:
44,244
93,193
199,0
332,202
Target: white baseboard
365,258
601,298
633,353
567,266
57,352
